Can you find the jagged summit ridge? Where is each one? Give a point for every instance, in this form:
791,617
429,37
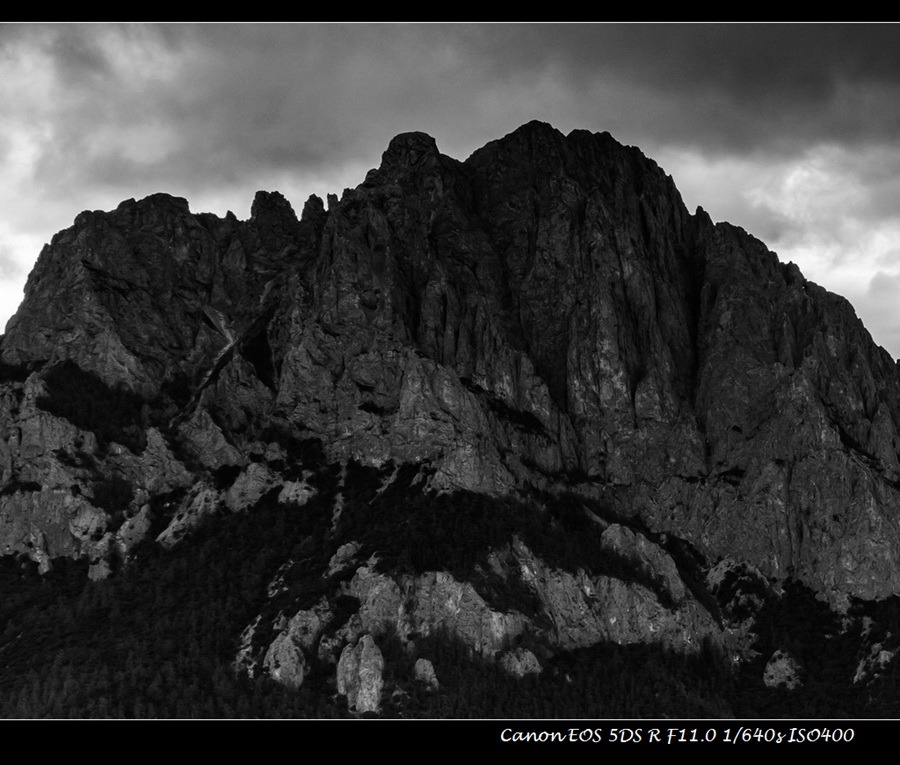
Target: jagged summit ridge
408,150
545,316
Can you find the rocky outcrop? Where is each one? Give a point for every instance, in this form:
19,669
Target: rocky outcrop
424,673
576,610
306,626
782,670
296,493
565,611
650,559
520,662
342,558
741,592
359,675
50,523
584,609
249,487
433,601
134,530
285,661
201,502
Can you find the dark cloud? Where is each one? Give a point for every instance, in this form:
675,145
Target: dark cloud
736,87
875,171
769,225
214,111
758,61
213,102
311,96
235,97
78,56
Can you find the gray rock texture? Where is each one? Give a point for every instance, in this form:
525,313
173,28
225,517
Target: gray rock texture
543,319
520,662
359,675
285,661
424,673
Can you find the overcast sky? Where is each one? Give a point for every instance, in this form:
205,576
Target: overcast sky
790,131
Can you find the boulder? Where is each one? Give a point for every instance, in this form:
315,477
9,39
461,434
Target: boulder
359,673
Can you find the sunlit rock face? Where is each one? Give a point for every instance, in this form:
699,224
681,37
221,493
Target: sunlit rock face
359,675
545,317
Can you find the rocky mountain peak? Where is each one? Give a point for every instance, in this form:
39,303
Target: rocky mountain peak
531,138
409,150
160,201
411,163
543,323
269,206
313,208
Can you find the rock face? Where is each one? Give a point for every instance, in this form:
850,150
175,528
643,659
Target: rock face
359,675
424,673
544,319
286,662
520,662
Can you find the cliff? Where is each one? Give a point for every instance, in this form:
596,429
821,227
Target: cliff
544,325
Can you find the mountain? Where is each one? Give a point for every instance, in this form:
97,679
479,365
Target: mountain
526,405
